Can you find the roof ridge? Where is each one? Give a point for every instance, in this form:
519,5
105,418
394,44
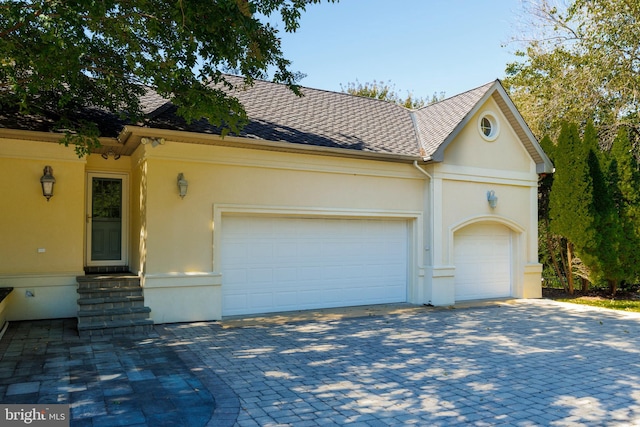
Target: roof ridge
466,92
333,92
419,138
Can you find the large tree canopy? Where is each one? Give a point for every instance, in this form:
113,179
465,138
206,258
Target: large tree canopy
57,55
580,62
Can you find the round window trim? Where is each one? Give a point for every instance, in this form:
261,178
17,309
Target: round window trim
488,126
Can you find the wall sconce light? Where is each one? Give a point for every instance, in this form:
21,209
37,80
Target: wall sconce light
492,199
153,141
47,180
183,184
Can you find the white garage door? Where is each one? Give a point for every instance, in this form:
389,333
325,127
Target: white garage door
280,264
482,256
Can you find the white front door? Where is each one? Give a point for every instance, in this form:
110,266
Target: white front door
280,264
107,219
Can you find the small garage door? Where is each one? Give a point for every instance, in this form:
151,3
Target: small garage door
482,257
274,264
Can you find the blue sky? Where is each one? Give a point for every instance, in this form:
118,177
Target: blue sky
421,46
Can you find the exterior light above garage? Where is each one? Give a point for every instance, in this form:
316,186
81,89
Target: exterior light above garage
492,199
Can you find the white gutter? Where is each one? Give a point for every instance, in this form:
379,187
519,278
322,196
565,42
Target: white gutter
135,133
430,224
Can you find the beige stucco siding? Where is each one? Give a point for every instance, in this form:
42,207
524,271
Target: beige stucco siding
138,214
180,230
473,166
469,201
506,152
177,250
28,221
41,243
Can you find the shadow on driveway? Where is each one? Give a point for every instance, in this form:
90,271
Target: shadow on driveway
523,363
117,381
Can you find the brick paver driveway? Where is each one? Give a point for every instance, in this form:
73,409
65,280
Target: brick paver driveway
528,363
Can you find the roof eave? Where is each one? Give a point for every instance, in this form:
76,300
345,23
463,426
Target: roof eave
42,136
134,135
544,165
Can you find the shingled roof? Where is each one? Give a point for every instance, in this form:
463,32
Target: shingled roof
322,118
318,118
436,122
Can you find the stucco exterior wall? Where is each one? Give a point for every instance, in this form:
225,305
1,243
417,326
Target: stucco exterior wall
261,178
41,244
180,232
138,214
505,153
472,167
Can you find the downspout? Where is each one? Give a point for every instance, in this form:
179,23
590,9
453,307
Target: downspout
430,225
431,207
415,164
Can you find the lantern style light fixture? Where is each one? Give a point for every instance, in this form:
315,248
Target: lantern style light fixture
183,184
492,199
47,180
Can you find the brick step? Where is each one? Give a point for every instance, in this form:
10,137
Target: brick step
120,313
116,327
86,320
112,304
112,269
102,302
110,292
110,281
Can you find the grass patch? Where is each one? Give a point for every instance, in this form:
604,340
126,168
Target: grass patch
614,304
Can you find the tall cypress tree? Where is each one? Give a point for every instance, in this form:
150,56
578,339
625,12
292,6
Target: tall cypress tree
604,259
590,254
550,245
624,179
570,202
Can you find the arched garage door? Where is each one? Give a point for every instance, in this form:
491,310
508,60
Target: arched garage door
274,264
482,257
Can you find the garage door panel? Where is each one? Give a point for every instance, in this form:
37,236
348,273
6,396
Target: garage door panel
482,256
236,251
302,263
235,276
261,300
283,274
260,275
287,299
286,249
235,299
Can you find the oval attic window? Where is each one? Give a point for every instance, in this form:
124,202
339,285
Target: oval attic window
488,127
